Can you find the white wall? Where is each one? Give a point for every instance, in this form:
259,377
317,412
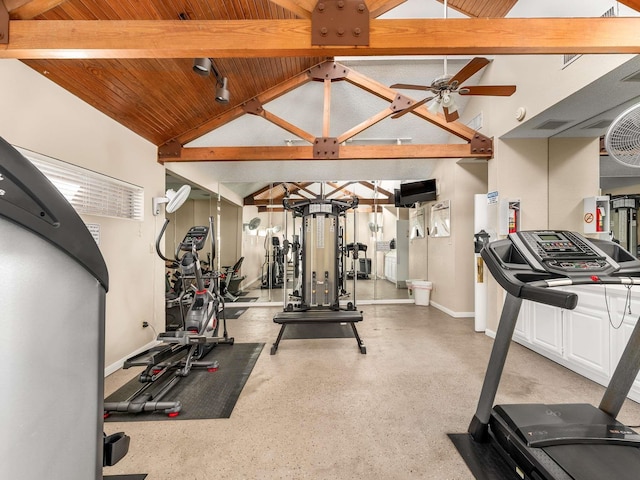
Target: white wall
42,117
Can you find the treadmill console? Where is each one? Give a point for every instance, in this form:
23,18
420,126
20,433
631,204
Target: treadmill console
561,251
196,236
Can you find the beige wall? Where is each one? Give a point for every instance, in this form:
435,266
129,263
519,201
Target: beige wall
450,259
40,116
574,165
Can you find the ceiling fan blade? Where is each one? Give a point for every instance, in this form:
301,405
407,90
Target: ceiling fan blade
450,116
411,107
408,86
495,90
475,65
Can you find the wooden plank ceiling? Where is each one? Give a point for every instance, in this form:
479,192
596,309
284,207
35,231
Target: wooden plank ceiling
160,99
152,90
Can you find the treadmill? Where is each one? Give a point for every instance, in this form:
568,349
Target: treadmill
565,441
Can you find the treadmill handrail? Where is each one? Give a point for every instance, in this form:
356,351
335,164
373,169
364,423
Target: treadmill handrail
537,292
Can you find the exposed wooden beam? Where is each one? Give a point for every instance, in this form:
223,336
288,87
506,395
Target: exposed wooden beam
263,206
236,112
337,188
635,4
458,129
374,188
248,200
31,39
350,152
378,7
303,8
482,8
28,9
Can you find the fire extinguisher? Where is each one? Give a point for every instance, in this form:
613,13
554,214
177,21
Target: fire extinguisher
599,219
513,219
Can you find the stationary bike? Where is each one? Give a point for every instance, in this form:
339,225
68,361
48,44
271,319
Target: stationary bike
183,349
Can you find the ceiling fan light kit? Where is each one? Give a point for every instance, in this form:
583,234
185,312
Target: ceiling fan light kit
444,86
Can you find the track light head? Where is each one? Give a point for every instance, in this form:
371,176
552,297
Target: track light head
202,66
222,93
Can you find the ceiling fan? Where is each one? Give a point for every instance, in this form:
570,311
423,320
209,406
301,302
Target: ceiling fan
444,86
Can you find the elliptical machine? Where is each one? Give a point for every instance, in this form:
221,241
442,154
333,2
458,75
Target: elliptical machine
183,349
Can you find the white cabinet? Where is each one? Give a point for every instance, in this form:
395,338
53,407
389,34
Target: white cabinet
396,262
589,339
390,268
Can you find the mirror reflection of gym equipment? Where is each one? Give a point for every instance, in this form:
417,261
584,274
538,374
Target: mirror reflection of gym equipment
317,301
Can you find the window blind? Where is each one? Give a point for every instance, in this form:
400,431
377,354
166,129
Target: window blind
89,192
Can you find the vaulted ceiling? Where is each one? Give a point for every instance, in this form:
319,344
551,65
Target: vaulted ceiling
132,59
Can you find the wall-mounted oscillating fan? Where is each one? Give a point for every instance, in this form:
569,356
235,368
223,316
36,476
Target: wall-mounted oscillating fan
253,224
622,140
446,85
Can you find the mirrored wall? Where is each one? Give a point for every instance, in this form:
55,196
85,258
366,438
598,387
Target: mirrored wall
372,240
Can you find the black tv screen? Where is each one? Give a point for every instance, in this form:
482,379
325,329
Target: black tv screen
420,191
397,200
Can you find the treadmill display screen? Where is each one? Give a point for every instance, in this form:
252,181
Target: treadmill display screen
548,237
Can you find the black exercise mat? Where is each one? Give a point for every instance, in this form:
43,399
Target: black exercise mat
125,477
317,330
233,312
203,394
483,459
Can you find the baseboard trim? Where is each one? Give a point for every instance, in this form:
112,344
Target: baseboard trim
452,313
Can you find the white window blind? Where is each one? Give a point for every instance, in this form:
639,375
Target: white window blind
89,192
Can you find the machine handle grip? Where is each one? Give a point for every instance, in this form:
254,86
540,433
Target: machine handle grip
556,298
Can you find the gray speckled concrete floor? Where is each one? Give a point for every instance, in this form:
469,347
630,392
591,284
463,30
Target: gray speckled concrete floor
321,410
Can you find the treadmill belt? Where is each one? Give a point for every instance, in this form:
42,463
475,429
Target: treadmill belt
597,462
483,459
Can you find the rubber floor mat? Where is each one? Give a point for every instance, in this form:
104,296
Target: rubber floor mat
484,461
203,394
317,330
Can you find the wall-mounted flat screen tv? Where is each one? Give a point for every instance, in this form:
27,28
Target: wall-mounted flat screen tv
397,200
419,191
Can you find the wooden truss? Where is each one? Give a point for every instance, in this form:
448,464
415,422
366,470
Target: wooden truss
271,196
326,147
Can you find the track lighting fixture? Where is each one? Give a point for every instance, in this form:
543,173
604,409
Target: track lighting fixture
222,93
202,66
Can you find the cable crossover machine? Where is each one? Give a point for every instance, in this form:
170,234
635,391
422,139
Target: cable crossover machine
318,276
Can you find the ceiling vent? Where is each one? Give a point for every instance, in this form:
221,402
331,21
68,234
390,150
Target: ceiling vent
600,124
551,125
569,58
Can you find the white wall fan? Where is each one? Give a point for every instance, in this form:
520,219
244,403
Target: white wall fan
173,199
253,224
622,140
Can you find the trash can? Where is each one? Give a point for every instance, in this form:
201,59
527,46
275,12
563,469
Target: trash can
421,291
409,283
